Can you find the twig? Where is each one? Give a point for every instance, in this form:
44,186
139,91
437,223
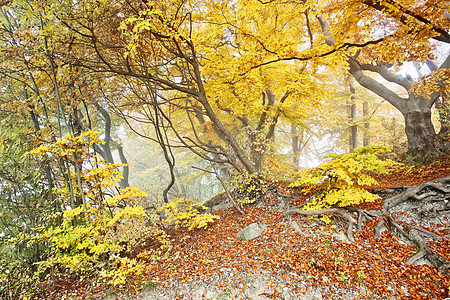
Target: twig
235,205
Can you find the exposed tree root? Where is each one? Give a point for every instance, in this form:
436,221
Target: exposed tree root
429,233
425,193
377,229
415,193
435,193
440,263
363,215
340,211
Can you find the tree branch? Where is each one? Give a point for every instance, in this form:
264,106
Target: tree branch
375,86
383,70
443,36
305,58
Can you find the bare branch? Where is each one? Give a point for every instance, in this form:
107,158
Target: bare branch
235,205
386,74
306,58
375,86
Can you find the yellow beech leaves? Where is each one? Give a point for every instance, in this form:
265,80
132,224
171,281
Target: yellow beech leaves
341,179
186,213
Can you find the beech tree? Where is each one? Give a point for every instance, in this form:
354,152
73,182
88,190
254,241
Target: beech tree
405,31
219,77
376,36
179,58
59,95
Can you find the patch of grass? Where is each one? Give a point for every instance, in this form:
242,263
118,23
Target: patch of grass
148,285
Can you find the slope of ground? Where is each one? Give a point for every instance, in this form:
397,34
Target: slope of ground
295,258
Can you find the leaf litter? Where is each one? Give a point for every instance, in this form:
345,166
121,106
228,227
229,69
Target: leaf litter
299,258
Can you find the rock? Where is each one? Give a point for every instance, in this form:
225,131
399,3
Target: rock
295,226
341,236
252,231
216,200
219,201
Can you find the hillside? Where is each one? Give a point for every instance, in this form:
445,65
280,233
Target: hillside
295,258
120,118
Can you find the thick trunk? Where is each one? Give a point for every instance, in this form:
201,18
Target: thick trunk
420,132
422,139
444,117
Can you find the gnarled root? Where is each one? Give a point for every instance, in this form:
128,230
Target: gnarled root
339,211
415,193
440,263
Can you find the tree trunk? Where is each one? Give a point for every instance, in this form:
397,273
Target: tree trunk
295,136
227,137
106,148
416,110
444,117
366,136
353,138
443,103
422,139
124,182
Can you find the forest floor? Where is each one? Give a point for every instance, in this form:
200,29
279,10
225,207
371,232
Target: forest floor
299,258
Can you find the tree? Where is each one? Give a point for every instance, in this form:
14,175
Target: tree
387,33
411,28
175,59
353,138
105,148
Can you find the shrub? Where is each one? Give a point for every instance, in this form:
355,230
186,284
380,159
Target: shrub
185,212
96,236
249,188
340,180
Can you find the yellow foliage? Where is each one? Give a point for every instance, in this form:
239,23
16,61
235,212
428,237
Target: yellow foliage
96,236
127,194
69,145
339,178
79,246
437,81
184,212
249,187
128,267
